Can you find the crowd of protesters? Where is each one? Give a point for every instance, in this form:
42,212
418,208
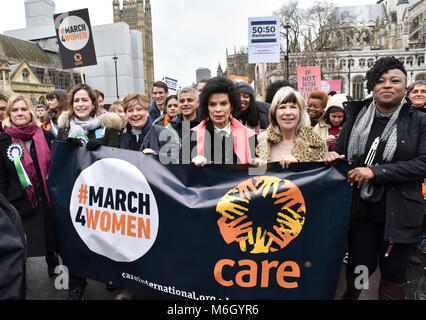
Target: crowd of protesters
383,137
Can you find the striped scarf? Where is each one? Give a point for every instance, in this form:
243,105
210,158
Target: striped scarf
361,131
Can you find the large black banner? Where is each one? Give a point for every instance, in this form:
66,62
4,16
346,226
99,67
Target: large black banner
218,232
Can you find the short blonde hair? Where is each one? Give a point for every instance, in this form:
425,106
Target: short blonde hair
133,99
12,100
117,103
286,95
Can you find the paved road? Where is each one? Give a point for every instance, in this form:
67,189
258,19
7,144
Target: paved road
41,287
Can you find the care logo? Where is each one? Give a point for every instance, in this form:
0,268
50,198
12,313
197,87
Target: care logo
114,210
74,33
247,217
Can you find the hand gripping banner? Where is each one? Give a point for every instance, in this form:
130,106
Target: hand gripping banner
183,232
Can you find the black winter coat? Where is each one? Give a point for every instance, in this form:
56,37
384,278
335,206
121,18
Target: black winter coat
153,137
38,222
402,177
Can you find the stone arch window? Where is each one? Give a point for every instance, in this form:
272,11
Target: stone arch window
421,76
26,75
420,60
402,59
409,61
370,62
351,62
358,88
342,63
332,63
42,100
362,62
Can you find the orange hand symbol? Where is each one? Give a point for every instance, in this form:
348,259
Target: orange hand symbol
283,238
231,231
291,197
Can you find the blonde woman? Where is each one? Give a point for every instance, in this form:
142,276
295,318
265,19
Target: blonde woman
24,166
289,137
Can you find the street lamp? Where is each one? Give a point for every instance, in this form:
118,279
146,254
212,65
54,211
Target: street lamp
349,75
115,57
287,26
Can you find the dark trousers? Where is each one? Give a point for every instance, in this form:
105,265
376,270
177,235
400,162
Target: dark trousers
366,246
77,282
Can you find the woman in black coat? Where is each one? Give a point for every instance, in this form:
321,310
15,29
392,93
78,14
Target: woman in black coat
82,124
385,139
24,166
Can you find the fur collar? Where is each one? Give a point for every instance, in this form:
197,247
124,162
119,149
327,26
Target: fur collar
109,120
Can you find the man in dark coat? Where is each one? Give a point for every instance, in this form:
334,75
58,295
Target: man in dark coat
188,100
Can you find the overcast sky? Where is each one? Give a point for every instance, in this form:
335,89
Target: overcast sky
187,34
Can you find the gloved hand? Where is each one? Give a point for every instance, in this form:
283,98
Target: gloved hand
76,142
93,145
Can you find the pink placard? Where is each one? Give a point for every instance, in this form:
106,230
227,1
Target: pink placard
308,80
331,85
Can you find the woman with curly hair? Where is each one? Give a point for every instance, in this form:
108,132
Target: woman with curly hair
220,138
317,101
384,138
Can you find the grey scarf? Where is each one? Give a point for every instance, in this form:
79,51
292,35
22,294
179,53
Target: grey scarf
78,127
361,131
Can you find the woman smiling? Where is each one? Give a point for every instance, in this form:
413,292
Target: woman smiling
289,138
82,122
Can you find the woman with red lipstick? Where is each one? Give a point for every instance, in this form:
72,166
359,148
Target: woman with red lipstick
385,139
220,138
289,138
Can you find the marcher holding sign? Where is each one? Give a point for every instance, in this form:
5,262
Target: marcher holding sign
24,165
75,39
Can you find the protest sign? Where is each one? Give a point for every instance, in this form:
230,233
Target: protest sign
75,39
331,85
308,80
234,77
172,85
264,40
215,232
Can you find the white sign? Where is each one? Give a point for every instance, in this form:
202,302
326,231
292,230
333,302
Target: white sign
115,214
172,84
74,33
264,40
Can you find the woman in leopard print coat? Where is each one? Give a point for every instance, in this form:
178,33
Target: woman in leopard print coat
289,138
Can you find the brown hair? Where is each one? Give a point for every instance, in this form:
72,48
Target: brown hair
321,96
92,96
62,103
117,103
133,99
160,84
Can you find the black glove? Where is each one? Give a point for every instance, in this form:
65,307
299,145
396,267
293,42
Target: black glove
76,142
93,145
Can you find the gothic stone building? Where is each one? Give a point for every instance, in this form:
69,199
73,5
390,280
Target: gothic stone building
26,68
387,28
